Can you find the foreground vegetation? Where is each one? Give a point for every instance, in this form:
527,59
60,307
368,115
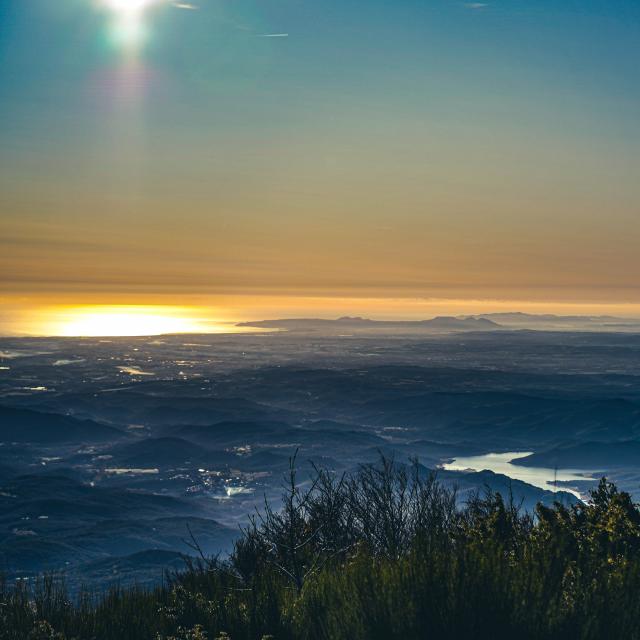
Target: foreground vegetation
384,553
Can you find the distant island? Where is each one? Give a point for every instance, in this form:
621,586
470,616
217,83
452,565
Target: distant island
444,324
440,323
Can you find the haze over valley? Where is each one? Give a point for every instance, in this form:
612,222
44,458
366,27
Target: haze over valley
113,450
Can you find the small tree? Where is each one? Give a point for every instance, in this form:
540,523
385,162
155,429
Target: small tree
288,539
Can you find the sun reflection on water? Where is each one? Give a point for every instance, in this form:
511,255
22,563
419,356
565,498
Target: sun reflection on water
113,321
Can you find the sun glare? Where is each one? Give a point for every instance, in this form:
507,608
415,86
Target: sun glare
124,321
128,30
129,6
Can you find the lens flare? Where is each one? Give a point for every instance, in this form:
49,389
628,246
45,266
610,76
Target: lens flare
128,30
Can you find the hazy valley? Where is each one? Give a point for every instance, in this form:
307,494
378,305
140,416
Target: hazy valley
114,452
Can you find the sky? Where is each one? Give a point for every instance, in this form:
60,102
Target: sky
250,158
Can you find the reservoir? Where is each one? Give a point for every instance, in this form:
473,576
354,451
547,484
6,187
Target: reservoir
536,476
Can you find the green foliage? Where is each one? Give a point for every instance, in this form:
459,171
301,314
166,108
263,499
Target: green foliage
383,554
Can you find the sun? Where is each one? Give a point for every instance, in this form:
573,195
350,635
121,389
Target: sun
128,30
129,6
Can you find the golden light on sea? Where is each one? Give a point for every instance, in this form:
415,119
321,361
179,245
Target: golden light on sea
94,321
123,320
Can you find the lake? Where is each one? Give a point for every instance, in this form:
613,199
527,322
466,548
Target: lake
537,476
